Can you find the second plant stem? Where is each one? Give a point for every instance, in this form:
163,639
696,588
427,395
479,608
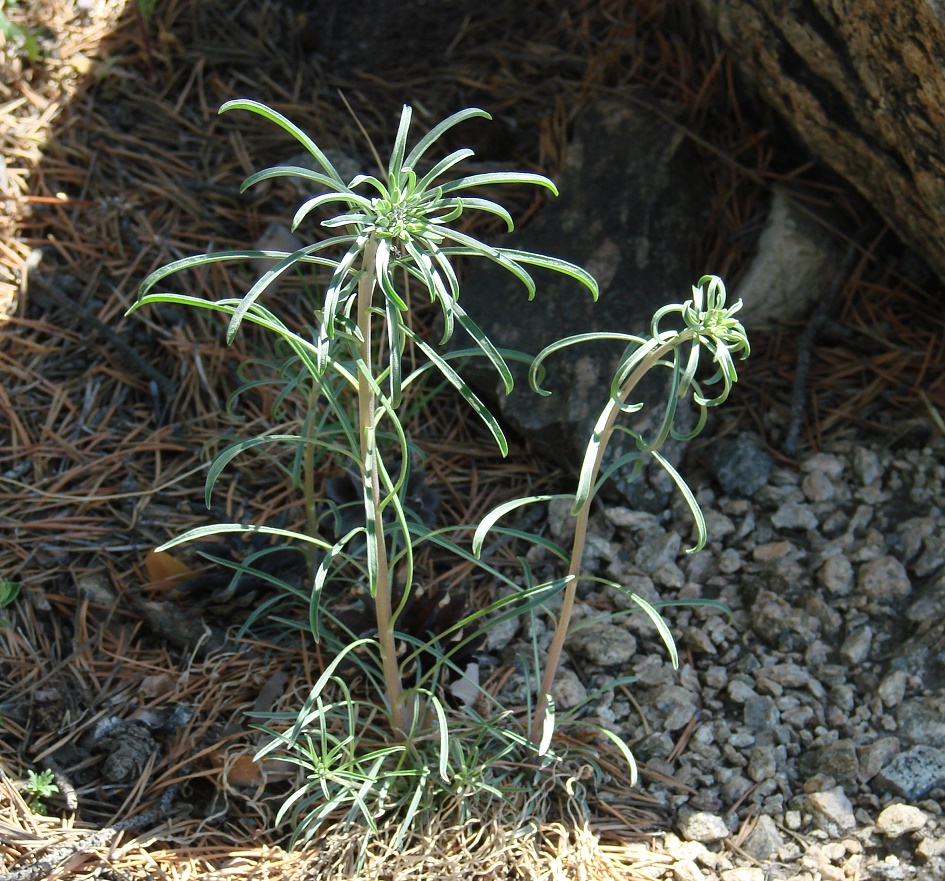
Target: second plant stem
580,526
367,406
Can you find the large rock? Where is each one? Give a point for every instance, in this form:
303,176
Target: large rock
632,208
863,84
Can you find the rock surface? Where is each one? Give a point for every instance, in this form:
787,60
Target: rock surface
632,244
862,82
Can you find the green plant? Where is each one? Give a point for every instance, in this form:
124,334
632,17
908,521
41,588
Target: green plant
397,746
39,787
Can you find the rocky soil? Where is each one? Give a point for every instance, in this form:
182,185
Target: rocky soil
813,720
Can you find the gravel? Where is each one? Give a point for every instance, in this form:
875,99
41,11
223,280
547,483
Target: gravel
809,726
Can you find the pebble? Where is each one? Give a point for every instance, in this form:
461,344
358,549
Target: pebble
743,873
913,773
703,826
687,870
836,575
922,720
866,466
837,760
604,643
817,487
657,548
831,811
892,689
761,713
897,820
765,840
793,515
884,579
856,647
567,691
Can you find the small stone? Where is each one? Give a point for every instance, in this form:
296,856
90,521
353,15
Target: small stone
876,755
762,763
794,515
740,465
698,640
605,644
657,547
866,465
824,463
884,579
856,647
743,873
567,691
889,869
781,624
735,788
930,847
817,487
740,691
716,676
764,841
837,760
761,713
831,811
836,575
913,773
703,826
771,551
669,575
892,689
636,521
897,820
922,720
790,675
687,870
561,522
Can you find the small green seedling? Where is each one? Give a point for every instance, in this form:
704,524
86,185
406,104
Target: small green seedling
39,787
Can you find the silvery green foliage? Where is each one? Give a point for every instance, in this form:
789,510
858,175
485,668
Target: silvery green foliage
407,752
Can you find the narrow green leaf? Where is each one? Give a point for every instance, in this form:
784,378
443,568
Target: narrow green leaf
486,205
400,145
441,167
222,459
500,511
690,498
536,370
476,248
223,528
486,346
661,626
435,133
469,396
498,177
292,171
565,267
547,724
291,128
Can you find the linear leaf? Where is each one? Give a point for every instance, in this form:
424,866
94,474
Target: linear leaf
290,127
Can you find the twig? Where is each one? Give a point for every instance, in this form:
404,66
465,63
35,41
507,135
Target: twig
44,866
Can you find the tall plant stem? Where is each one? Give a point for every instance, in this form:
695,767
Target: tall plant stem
580,527
308,475
381,589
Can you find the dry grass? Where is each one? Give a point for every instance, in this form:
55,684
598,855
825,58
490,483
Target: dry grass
114,163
